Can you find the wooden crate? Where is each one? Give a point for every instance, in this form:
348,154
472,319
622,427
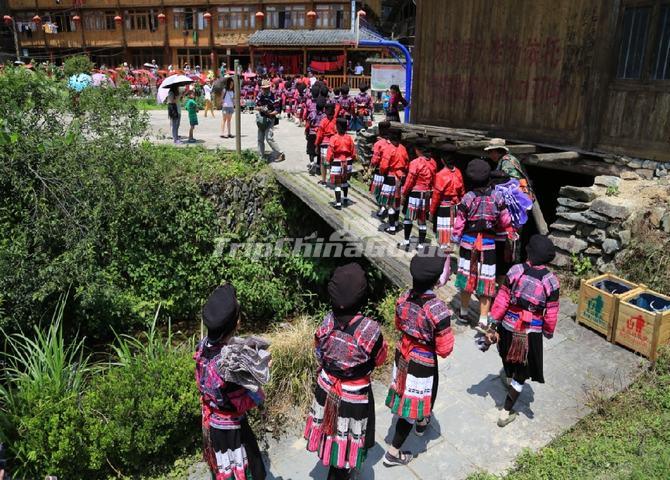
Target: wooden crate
597,308
639,329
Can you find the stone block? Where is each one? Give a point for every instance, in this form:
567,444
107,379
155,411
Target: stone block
645,173
598,220
562,260
581,194
630,176
570,244
604,265
607,181
635,163
563,225
573,204
624,236
656,215
665,223
649,164
611,209
597,236
575,217
611,246
661,171
592,250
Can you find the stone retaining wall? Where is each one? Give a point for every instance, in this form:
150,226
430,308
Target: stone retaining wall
598,222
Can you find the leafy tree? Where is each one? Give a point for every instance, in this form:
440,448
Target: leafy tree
76,65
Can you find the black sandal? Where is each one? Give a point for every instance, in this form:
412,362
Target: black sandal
403,459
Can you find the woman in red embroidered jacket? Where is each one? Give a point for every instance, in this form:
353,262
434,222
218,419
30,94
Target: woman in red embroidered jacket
394,168
324,132
425,323
230,446
481,213
525,309
447,193
341,155
416,193
341,423
378,151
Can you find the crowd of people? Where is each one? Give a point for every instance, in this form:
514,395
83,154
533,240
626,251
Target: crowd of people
481,213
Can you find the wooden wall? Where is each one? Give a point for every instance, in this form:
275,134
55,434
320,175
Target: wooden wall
534,70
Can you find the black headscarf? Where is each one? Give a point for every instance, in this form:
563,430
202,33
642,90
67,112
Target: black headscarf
221,312
347,290
426,268
478,172
540,250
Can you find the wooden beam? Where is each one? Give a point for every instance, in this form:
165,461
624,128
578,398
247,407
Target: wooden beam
571,162
520,149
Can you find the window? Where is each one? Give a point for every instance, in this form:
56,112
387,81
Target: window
236,18
141,20
63,20
333,16
662,63
189,19
194,57
97,20
633,42
285,17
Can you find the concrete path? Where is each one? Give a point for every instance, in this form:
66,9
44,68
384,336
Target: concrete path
580,366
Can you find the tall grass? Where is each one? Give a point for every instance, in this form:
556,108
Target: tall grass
41,373
289,393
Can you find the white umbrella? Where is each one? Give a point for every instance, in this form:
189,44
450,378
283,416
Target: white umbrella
176,81
171,81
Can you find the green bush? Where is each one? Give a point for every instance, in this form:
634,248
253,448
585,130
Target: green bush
63,416
40,393
155,410
76,65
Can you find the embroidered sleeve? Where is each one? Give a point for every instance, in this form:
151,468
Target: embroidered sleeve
500,304
380,351
552,288
443,335
461,217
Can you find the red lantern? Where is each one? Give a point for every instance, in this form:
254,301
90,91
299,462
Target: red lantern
37,20
161,17
207,16
76,19
118,19
311,14
361,13
8,20
260,15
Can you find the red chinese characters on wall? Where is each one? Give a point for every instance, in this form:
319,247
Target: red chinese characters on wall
537,52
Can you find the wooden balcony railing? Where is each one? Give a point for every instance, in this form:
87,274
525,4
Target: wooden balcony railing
21,4
354,81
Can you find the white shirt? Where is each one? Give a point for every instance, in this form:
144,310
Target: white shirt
312,81
208,92
358,70
228,98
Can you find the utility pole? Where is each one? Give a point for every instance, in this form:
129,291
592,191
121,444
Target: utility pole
238,116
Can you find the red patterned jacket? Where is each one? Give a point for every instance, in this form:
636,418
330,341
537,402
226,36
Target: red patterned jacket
425,323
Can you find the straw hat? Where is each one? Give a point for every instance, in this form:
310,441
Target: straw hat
496,144
266,84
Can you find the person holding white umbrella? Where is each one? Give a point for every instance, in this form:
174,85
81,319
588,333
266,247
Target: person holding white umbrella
171,86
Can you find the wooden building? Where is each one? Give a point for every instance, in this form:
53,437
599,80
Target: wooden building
591,75
172,32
